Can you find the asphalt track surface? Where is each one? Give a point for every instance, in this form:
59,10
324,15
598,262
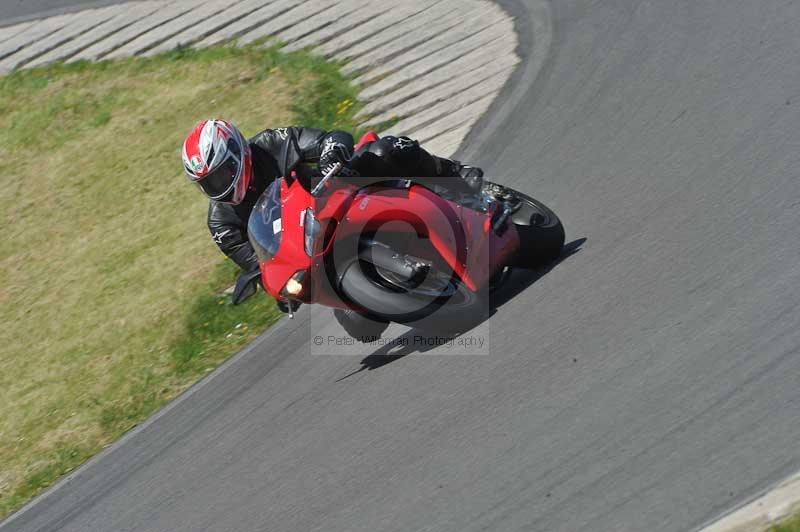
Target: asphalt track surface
12,11
650,381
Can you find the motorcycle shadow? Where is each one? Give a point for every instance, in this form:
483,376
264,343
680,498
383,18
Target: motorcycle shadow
414,341
411,343
520,280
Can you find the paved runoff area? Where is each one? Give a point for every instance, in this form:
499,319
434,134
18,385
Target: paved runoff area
435,67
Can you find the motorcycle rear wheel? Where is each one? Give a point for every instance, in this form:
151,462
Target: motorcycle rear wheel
541,232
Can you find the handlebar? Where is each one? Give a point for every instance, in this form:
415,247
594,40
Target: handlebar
326,178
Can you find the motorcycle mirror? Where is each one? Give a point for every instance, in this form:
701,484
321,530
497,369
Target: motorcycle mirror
245,286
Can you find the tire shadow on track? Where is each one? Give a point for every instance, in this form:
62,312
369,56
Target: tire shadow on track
519,281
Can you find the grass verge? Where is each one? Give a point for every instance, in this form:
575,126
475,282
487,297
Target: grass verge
109,281
790,525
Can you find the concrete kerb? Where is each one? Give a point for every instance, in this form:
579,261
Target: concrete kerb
759,514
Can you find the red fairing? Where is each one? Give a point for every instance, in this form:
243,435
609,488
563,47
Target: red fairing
291,256
369,136
441,230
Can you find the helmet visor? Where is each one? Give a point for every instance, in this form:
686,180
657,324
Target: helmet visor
220,181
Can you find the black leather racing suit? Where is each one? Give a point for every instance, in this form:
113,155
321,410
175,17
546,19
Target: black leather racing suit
387,157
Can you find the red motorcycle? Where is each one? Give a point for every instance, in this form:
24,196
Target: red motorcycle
397,250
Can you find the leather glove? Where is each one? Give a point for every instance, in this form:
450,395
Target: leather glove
332,153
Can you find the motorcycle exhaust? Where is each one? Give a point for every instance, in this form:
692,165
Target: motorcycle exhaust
407,268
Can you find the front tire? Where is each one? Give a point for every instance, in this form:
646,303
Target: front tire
453,306
359,326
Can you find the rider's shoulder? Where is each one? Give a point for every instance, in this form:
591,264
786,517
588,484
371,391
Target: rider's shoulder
221,212
272,134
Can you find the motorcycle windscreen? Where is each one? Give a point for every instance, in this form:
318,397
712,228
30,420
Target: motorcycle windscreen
265,227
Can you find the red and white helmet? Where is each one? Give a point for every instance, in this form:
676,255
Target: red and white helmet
216,157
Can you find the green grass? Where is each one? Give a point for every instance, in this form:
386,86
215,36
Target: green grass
790,525
109,282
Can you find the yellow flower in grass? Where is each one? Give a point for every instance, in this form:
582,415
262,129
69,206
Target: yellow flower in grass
343,106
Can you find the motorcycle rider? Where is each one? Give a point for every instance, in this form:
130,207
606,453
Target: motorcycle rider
233,171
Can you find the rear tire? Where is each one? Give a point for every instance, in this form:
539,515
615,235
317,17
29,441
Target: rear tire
541,234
